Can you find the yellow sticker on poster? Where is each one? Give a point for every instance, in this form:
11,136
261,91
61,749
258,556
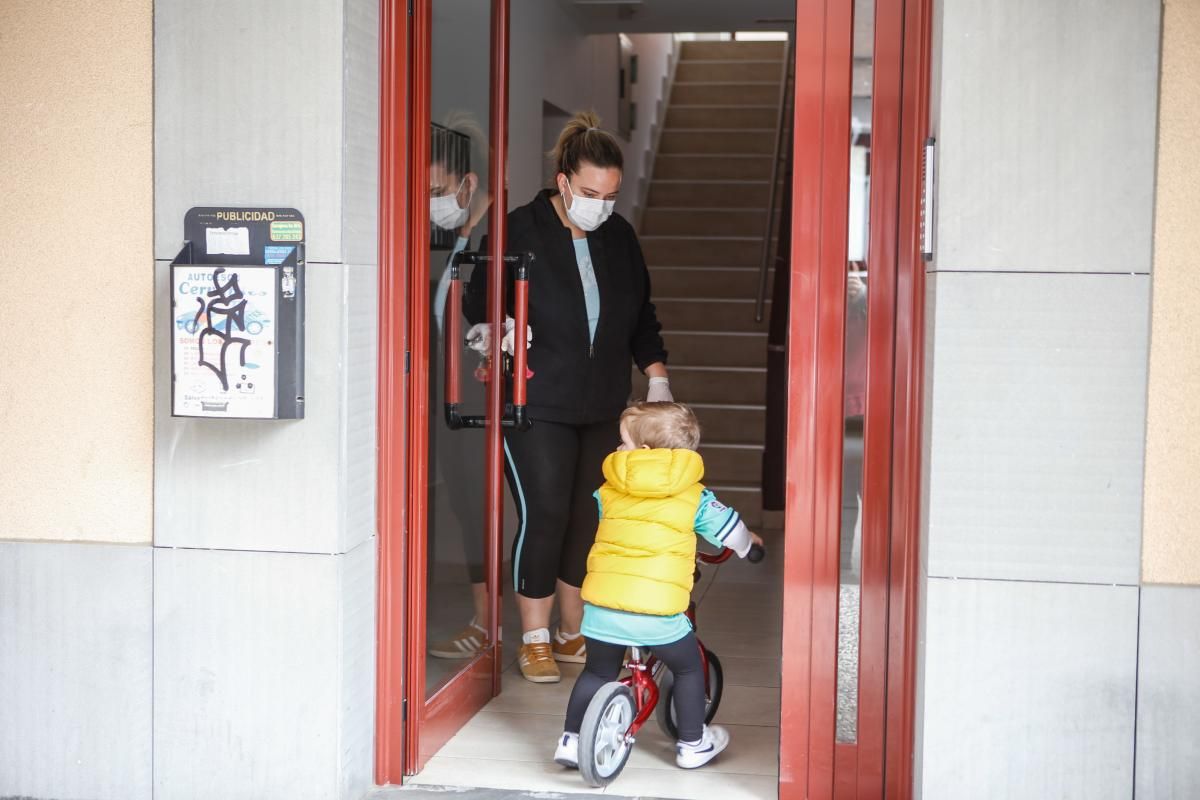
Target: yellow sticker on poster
287,231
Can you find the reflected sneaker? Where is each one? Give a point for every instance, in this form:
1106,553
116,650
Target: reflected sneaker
714,740
537,664
467,643
572,650
567,752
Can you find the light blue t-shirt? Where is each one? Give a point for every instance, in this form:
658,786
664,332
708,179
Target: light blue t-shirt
591,292
714,522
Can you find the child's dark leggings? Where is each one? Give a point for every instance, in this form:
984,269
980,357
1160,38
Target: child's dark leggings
604,661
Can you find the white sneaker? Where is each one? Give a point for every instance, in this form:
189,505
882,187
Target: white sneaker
567,752
714,740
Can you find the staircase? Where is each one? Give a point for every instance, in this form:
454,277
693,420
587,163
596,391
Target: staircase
702,233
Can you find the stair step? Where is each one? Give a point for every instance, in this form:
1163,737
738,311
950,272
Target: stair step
732,463
723,142
722,423
690,251
697,70
705,349
709,315
716,282
731,51
712,167
746,498
704,222
710,194
725,94
741,386
722,117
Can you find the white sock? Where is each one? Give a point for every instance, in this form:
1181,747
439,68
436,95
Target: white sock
537,636
694,744
563,638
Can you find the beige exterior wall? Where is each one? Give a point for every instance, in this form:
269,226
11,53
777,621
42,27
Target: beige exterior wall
1171,532
76,287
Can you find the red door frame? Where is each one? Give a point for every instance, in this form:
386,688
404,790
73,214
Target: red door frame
406,739
811,764
821,166
392,409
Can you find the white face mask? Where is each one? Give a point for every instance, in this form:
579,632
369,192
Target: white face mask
444,211
587,213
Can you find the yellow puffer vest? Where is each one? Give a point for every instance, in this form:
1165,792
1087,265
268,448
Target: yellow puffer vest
645,550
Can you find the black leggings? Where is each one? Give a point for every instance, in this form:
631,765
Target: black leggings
553,469
682,657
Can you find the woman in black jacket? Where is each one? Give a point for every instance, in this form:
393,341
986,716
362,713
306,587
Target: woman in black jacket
591,315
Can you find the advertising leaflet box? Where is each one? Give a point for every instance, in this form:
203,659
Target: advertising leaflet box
237,315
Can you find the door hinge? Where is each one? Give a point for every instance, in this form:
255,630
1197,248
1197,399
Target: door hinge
407,361
410,9
404,710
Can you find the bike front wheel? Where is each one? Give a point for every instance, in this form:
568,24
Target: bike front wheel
714,686
603,746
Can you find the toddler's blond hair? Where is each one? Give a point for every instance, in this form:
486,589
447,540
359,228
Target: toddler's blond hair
662,425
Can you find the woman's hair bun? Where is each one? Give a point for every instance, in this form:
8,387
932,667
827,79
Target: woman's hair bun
581,141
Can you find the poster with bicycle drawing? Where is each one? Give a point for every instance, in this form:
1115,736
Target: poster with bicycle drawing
223,341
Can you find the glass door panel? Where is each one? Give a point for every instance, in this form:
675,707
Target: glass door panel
855,365
459,200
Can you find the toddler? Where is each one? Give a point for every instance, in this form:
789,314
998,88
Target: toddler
640,570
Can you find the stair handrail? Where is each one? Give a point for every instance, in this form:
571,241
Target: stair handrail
760,304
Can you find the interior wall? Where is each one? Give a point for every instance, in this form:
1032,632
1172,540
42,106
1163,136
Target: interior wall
76,411
1170,536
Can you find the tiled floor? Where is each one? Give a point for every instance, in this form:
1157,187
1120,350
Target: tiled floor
510,744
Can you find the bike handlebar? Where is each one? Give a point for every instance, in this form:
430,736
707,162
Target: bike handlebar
757,553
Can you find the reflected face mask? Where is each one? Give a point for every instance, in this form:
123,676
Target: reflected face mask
444,211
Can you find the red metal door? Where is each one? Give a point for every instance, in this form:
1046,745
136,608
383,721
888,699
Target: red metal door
444,110
853,398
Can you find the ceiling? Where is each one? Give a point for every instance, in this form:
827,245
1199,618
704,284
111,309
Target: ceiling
690,16
706,16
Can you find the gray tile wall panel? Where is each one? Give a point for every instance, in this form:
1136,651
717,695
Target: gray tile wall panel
258,665
75,671
1168,714
1029,690
248,111
259,484
360,153
356,746
358,437
1046,126
1037,414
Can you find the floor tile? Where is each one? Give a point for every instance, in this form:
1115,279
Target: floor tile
748,671
749,705
753,750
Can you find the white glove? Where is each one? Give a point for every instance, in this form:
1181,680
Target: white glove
479,337
659,391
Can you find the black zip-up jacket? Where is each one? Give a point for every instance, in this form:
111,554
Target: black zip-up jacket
576,381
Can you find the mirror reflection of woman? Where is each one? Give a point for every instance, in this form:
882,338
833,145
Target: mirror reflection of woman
591,320
456,204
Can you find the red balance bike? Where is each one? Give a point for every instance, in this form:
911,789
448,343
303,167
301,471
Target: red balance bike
622,707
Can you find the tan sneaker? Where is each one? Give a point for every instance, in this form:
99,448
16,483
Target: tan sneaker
467,643
572,651
537,664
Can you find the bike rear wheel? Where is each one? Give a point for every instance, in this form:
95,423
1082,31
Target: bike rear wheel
603,747
714,687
